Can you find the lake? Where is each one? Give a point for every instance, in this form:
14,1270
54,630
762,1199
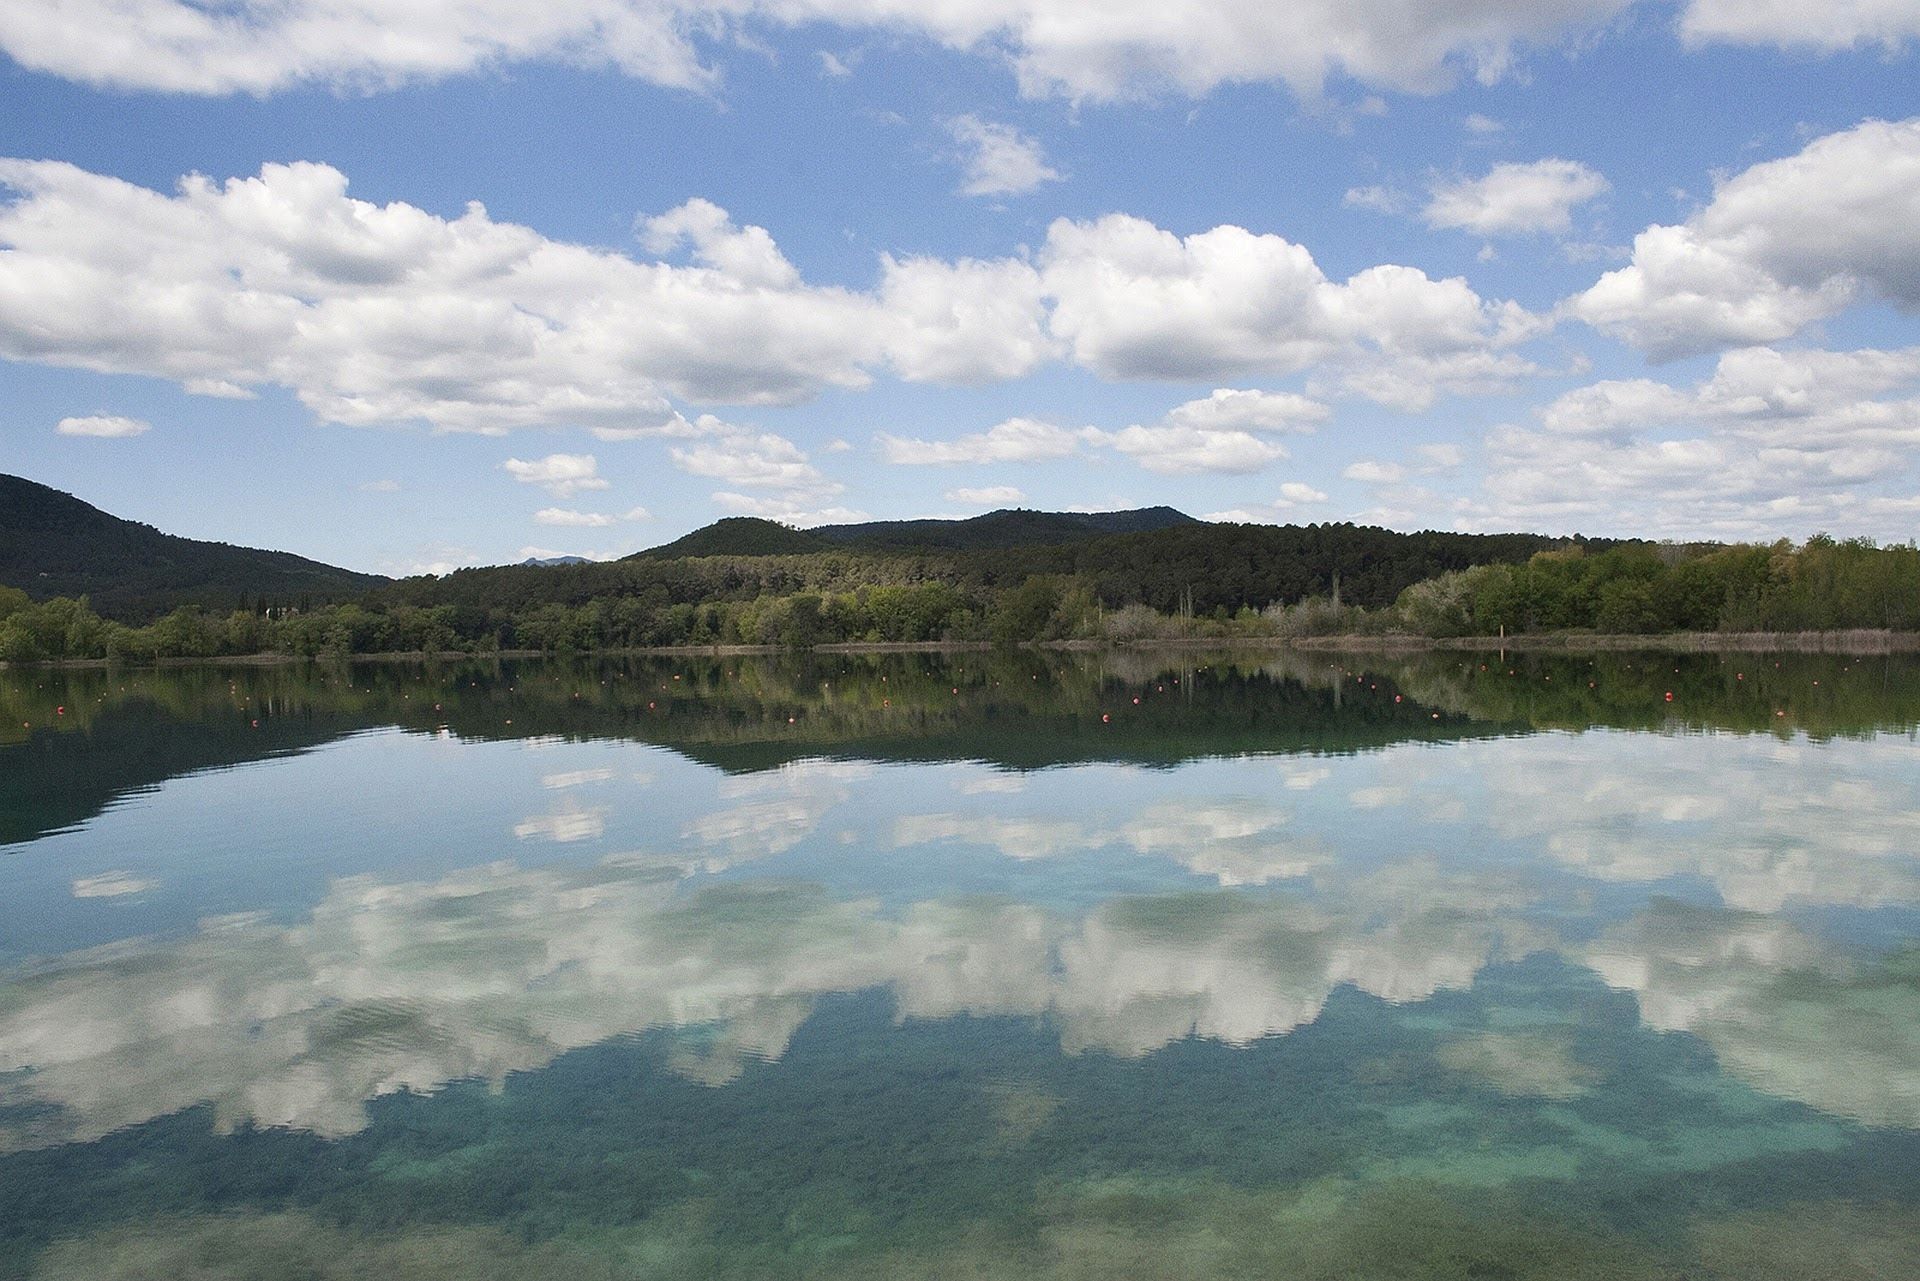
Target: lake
1123,965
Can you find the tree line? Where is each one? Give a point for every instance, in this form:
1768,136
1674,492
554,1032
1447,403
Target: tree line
1026,595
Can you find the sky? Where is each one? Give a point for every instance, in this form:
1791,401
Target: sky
473,280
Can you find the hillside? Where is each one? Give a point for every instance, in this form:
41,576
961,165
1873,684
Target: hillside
737,536
994,531
997,530
53,544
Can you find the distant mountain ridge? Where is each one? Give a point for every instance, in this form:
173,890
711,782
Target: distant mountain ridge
995,530
53,544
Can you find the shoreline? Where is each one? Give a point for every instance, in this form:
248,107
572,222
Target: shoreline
1857,641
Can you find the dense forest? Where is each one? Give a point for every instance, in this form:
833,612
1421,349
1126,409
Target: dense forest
1236,585
1823,585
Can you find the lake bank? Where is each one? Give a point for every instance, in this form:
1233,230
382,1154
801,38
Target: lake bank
1850,641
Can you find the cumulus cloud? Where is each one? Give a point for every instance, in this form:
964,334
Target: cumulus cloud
1296,493
752,459
1056,46
793,490
562,475
377,314
1228,409
1515,198
1228,431
1179,449
997,159
569,519
1771,441
969,321
103,426
989,496
1828,28
1782,244
1132,300
1017,440
1369,471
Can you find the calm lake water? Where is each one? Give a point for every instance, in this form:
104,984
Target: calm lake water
1299,966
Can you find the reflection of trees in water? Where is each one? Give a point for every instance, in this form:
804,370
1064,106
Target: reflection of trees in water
124,730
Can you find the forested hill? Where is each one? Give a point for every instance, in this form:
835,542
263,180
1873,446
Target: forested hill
1218,566
1201,566
1002,529
751,536
53,544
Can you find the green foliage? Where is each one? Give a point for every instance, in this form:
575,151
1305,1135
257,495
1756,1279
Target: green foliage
1636,589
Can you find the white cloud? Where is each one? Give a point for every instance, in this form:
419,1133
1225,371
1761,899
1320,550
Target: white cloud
1017,440
1384,200
1064,47
104,426
380,314
1515,198
969,321
1227,409
1783,244
388,314
1828,27
217,389
1132,300
990,496
1225,432
1297,493
1771,442
998,159
1294,494
1180,450
586,520
1371,472
1441,457
833,65
1482,125
758,460
563,475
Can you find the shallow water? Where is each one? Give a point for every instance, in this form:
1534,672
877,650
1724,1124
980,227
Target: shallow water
1442,966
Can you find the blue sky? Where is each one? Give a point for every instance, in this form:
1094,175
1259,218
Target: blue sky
1585,265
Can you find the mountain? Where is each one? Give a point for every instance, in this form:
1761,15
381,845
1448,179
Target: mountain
53,544
1007,527
994,531
738,536
554,560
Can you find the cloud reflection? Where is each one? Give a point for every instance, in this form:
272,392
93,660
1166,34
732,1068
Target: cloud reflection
391,987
